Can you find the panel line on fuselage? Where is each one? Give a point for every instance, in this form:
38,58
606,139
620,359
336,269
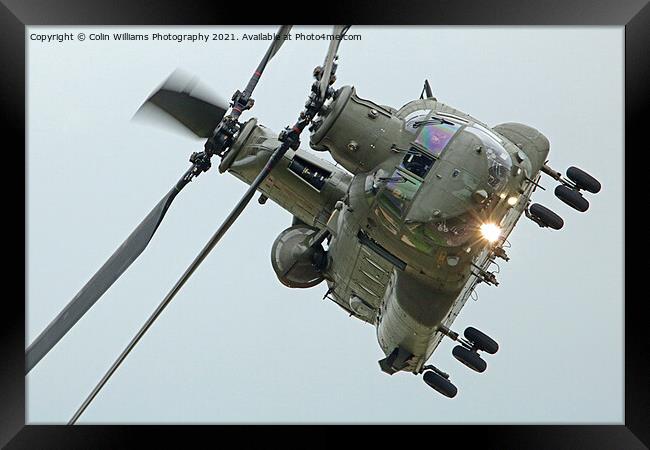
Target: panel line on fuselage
367,241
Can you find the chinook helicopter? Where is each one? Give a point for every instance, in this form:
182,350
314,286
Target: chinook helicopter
402,229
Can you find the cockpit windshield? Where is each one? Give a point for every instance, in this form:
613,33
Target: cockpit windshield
435,134
432,134
499,161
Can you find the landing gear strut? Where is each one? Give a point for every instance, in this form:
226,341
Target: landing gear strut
474,341
467,353
569,188
568,191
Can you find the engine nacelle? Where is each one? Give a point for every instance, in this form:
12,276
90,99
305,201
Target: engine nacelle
295,262
357,132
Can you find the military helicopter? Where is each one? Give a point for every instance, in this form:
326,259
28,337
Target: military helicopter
404,226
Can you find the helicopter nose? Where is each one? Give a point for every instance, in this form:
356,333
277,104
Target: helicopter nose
450,192
473,167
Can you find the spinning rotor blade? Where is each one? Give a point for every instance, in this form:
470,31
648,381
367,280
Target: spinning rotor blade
329,59
201,117
198,112
130,249
289,139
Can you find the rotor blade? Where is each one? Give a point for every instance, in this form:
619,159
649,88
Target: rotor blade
339,30
216,237
198,112
201,117
270,53
281,36
130,249
201,112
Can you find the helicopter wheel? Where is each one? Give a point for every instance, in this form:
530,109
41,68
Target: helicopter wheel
572,198
481,340
440,384
469,358
583,180
545,217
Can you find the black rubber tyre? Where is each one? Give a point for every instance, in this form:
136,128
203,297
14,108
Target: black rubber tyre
469,358
481,340
548,217
583,180
572,198
440,384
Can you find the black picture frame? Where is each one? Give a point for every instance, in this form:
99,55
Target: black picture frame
15,15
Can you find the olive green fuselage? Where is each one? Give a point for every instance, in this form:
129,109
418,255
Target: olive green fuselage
404,206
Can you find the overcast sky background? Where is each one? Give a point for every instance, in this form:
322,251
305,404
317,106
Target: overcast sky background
235,345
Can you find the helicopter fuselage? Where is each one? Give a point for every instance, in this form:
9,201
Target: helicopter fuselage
419,204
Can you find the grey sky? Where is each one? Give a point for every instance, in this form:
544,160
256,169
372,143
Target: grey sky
237,346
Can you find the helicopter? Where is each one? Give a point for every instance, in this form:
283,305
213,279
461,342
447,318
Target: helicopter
401,229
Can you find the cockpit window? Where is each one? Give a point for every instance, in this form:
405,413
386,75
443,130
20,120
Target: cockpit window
417,162
435,134
499,161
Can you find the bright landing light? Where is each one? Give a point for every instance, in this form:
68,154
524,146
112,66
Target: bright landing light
490,232
512,201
